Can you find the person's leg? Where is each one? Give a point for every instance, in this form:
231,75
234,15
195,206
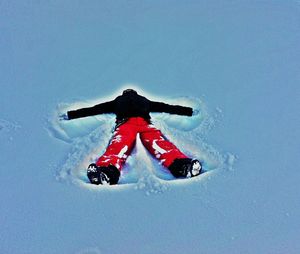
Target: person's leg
170,156
119,147
107,168
160,147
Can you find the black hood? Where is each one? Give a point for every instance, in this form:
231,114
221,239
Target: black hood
129,92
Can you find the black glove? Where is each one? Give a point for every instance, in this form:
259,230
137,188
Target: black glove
63,117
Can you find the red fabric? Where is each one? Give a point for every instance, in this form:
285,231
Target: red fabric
124,139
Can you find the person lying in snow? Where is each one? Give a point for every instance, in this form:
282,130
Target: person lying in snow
132,118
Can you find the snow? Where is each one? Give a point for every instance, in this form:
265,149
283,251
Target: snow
235,62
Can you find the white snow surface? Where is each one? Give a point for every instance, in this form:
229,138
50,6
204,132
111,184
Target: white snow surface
236,62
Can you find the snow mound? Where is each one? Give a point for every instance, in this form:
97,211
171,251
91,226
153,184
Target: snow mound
88,138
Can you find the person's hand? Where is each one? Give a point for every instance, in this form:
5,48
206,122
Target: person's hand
195,112
63,117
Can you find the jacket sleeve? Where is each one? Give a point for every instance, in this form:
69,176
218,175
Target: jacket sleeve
102,108
171,109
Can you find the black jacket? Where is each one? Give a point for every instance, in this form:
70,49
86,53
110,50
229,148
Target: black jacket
129,105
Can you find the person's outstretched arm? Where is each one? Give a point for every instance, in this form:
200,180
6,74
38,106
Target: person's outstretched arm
171,109
106,107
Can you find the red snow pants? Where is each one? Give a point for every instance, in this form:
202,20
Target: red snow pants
124,139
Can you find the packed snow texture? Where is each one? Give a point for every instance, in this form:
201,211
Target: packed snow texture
89,136
7,129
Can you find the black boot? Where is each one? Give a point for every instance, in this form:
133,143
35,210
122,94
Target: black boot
103,175
185,167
